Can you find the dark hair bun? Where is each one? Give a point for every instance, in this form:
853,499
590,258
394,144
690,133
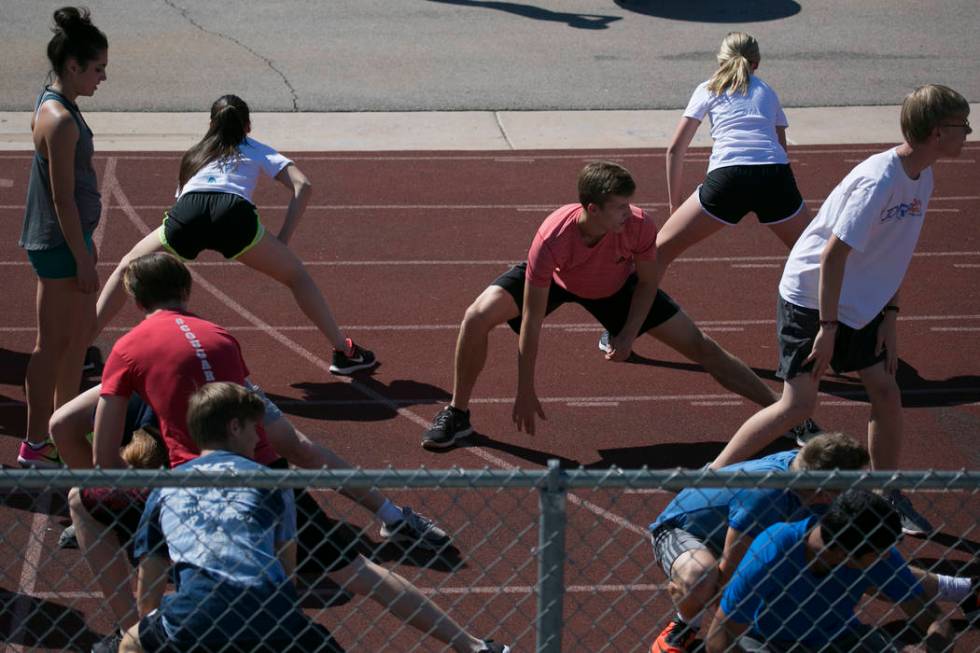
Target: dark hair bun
68,19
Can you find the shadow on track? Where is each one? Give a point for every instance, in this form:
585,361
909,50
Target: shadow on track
714,11
578,21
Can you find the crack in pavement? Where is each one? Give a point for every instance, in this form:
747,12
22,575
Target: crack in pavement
285,80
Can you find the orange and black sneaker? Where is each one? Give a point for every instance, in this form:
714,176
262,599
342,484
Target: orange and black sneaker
677,637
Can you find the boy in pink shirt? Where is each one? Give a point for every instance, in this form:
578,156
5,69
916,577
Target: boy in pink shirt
601,254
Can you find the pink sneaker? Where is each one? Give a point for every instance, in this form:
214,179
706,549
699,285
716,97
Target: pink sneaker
44,458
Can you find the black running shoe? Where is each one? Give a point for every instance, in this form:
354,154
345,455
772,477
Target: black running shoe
415,529
971,604
93,361
354,359
604,345
108,644
447,426
490,646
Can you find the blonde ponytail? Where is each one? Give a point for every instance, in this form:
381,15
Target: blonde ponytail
735,58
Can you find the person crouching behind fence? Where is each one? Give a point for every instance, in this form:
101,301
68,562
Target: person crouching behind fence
233,548
701,536
799,583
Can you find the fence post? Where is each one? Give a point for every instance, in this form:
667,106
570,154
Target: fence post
551,561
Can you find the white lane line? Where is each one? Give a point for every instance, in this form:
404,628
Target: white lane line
570,327
32,561
108,183
756,265
447,590
463,207
6,183
592,404
720,399
317,362
954,328
966,265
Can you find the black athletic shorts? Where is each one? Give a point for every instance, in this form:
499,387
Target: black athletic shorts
796,329
611,311
769,191
224,222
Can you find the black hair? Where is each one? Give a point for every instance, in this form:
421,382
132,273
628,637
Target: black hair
228,128
860,522
75,37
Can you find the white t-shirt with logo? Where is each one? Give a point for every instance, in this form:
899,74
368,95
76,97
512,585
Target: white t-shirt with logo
743,126
878,211
239,174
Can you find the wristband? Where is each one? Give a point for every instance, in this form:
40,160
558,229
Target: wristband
891,307
829,323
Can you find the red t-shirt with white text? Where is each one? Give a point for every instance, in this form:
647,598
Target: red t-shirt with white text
165,359
559,253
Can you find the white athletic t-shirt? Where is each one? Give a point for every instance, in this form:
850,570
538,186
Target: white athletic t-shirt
878,211
742,126
237,175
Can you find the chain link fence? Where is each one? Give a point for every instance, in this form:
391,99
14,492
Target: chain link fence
540,560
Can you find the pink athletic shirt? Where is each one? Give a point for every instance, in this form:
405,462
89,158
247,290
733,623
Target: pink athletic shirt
558,252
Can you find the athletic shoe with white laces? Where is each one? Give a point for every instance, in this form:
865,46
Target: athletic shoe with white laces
913,523
490,646
108,644
415,529
43,457
353,359
447,426
804,432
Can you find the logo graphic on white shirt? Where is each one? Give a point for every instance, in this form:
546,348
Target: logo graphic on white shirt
902,211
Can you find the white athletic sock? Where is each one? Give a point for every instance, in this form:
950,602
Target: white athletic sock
694,623
953,588
389,513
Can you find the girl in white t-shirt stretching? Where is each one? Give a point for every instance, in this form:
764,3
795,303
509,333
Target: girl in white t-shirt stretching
748,170
214,210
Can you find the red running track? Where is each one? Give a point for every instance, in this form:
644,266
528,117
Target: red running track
400,243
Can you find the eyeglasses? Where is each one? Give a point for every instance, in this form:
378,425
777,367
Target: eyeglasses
964,126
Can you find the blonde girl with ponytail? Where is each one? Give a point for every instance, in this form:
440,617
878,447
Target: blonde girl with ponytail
214,210
749,168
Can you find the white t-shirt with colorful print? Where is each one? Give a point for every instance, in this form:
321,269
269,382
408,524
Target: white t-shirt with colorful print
878,211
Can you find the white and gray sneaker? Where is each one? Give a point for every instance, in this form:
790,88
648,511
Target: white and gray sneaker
804,432
913,522
415,529
490,646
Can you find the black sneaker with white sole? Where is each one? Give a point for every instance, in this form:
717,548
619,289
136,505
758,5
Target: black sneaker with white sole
490,646
353,359
804,432
913,522
448,425
415,530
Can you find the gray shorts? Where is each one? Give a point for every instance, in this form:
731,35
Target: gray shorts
669,543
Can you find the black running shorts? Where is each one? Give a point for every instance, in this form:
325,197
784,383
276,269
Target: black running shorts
223,222
610,311
769,191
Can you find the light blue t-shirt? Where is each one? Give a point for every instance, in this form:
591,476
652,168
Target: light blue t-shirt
222,542
773,592
707,513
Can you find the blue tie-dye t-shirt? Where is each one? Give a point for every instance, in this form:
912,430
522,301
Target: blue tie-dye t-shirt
222,542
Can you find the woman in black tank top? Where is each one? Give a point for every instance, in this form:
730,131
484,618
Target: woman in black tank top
63,208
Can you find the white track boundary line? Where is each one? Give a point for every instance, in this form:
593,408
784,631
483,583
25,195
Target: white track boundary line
322,365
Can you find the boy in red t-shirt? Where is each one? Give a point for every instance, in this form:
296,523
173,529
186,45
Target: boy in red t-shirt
599,253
